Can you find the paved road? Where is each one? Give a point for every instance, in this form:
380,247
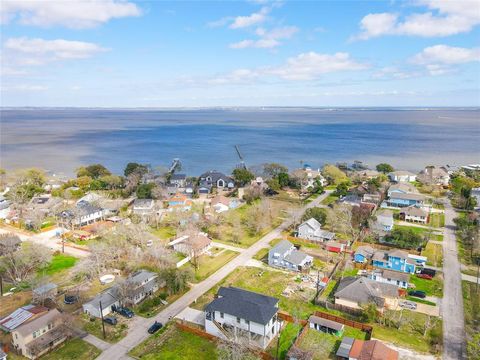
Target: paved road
138,329
452,304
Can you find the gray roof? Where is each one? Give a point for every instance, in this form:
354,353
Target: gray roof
366,251
394,275
141,276
86,208
414,211
364,290
407,196
215,175
405,187
178,177
143,203
296,257
325,322
44,288
282,247
313,223
107,297
244,304
344,349
38,323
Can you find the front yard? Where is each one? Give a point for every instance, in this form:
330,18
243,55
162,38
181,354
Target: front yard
321,344
471,307
436,220
73,349
113,334
434,254
209,264
432,287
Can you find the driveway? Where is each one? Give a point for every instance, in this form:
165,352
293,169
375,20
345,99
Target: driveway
452,303
138,332
192,315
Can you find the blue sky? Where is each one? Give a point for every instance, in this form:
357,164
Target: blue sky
112,53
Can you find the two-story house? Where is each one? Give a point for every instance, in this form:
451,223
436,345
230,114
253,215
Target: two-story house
364,254
178,180
286,256
221,203
312,230
414,214
396,278
240,314
40,335
144,207
216,179
402,176
83,214
395,260
400,200
192,245
404,188
140,285
384,221
434,175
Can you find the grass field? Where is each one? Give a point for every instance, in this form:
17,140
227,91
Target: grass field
73,349
434,254
471,307
261,254
164,232
329,199
437,220
432,287
170,343
113,333
208,265
59,262
321,344
287,338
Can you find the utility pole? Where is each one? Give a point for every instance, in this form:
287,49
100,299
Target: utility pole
1,286
478,273
103,322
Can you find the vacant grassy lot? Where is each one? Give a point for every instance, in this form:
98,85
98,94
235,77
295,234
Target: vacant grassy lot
59,262
209,264
262,254
164,232
471,304
287,338
437,220
73,349
113,333
432,287
330,199
434,254
321,344
172,344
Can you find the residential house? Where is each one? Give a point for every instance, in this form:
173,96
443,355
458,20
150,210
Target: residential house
140,285
9,243
399,200
366,174
45,204
108,299
312,230
4,202
20,316
216,179
44,292
364,254
372,198
83,214
178,180
285,255
221,203
404,188
355,292
434,175
395,259
402,176
414,214
309,177
351,199
354,349
40,335
192,245
384,221
179,202
240,314
325,325
475,193
144,207
396,278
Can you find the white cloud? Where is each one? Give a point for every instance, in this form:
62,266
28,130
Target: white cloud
26,51
75,14
393,72
25,88
305,66
268,38
253,19
439,59
444,18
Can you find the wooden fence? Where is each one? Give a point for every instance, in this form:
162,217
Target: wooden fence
355,324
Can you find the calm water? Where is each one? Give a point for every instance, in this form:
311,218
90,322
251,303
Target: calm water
61,140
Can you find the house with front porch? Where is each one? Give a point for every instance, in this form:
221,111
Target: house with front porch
237,314
396,278
286,256
395,260
414,214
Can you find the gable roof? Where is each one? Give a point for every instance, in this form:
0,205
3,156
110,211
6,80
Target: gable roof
107,297
244,304
20,316
407,196
220,199
403,187
376,350
394,275
39,322
363,290
366,251
282,247
296,257
143,203
325,322
414,211
215,176
313,223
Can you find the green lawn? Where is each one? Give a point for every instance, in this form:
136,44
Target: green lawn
169,344
261,254
164,232
421,301
73,349
329,199
321,344
437,220
113,333
471,307
432,287
59,262
434,254
355,333
287,338
208,264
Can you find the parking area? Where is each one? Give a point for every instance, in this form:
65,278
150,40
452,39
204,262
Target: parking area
192,315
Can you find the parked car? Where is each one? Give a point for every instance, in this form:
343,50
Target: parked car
417,293
408,305
427,271
425,276
112,320
70,299
126,312
155,327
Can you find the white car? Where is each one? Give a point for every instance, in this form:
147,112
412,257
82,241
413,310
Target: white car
408,305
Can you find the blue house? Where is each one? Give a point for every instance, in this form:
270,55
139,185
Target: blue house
399,199
363,254
394,260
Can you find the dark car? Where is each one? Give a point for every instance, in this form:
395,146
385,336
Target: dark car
112,320
70,299
155,327
417,293
425,276
427,271
125,312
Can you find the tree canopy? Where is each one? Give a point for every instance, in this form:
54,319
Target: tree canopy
94,171
242,176
133,167
317,213
333,174
404,238
384,168
144,191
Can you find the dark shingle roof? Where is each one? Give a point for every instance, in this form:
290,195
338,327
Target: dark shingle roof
364,290
244,304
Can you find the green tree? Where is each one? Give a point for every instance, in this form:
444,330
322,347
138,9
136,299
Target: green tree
242,176
342,189
384,168
333,174
272,170
317,213
404,238
283,179
144,191
111,182
135,168
95,171
473,347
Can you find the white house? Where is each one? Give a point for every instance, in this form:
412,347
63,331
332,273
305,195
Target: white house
144,207
402,176
240,314
312,230
384,220
414,214
141,284
221,203
434,175
108,298
397,278
192,245
285,255
476,194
